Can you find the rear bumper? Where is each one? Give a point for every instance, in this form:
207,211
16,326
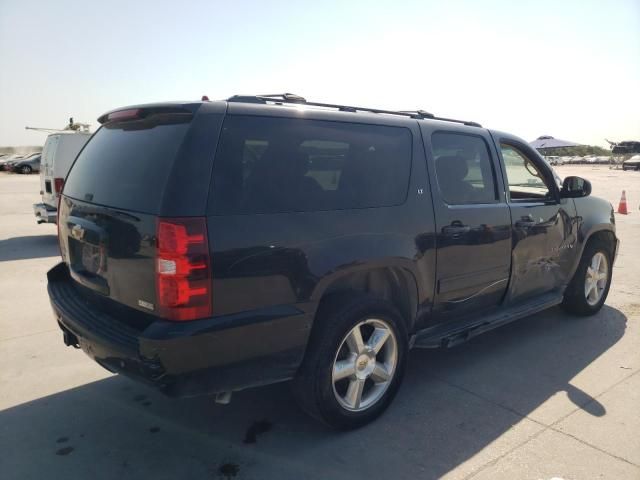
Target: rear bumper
219,354
45,213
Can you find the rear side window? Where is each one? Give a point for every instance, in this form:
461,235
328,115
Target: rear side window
126,168
464,169
269,165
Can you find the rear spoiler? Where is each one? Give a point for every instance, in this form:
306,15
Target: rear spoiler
163,113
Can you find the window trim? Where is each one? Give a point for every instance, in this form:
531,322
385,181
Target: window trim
540,164
494,175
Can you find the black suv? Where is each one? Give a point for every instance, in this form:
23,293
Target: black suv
213,246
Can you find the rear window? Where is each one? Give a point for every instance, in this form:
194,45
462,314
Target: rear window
270,165
126,168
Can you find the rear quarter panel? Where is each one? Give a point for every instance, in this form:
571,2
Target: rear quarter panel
294,258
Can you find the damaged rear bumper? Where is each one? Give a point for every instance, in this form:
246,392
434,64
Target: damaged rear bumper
218,354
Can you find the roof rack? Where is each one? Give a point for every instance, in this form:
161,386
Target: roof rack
282,98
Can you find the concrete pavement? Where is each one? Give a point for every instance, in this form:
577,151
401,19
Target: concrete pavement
551,396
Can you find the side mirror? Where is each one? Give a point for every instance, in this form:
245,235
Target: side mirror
575,187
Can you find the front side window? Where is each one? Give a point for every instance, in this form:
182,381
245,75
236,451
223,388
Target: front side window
464,169
271,165
526,180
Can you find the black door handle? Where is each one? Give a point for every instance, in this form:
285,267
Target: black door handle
526,222
455,229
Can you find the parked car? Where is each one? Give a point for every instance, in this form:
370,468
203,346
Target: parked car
5,163
632,163
26,165
209,247
60,150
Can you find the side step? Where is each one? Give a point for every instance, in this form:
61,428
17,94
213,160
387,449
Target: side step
454,333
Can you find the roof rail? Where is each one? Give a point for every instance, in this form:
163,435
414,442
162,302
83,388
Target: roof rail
282,98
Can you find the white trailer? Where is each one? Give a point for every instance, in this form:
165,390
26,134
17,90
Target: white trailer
58,154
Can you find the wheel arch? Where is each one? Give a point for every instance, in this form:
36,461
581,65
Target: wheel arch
604,231
394,284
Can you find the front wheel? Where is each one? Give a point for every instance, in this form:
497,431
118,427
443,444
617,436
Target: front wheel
26,169
590,285
354,363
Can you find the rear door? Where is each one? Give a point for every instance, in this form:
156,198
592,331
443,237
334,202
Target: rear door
472,221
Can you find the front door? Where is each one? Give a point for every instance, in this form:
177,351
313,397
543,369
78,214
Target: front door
472,223
543,228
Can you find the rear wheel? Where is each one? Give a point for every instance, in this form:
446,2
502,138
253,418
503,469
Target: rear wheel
26,169
354,363
589,287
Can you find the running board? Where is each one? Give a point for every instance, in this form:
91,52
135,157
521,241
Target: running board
450,334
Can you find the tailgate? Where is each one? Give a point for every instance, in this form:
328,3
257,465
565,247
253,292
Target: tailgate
111,202
110,251
145,164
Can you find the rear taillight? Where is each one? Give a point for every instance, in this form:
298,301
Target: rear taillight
183,269
58,183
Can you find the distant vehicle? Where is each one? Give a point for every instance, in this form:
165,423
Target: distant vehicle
26,165
58,154
5,163
632,163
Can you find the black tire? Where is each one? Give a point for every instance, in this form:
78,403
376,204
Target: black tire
313,387
26,169
575,300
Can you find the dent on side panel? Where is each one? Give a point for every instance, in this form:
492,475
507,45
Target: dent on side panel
291,258
543,255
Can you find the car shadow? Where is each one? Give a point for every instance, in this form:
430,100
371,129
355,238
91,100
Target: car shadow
34,246
453,404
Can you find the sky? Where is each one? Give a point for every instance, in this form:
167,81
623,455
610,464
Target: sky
570,69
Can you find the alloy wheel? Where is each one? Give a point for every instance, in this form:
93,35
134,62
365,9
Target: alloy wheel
596,278
364,365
